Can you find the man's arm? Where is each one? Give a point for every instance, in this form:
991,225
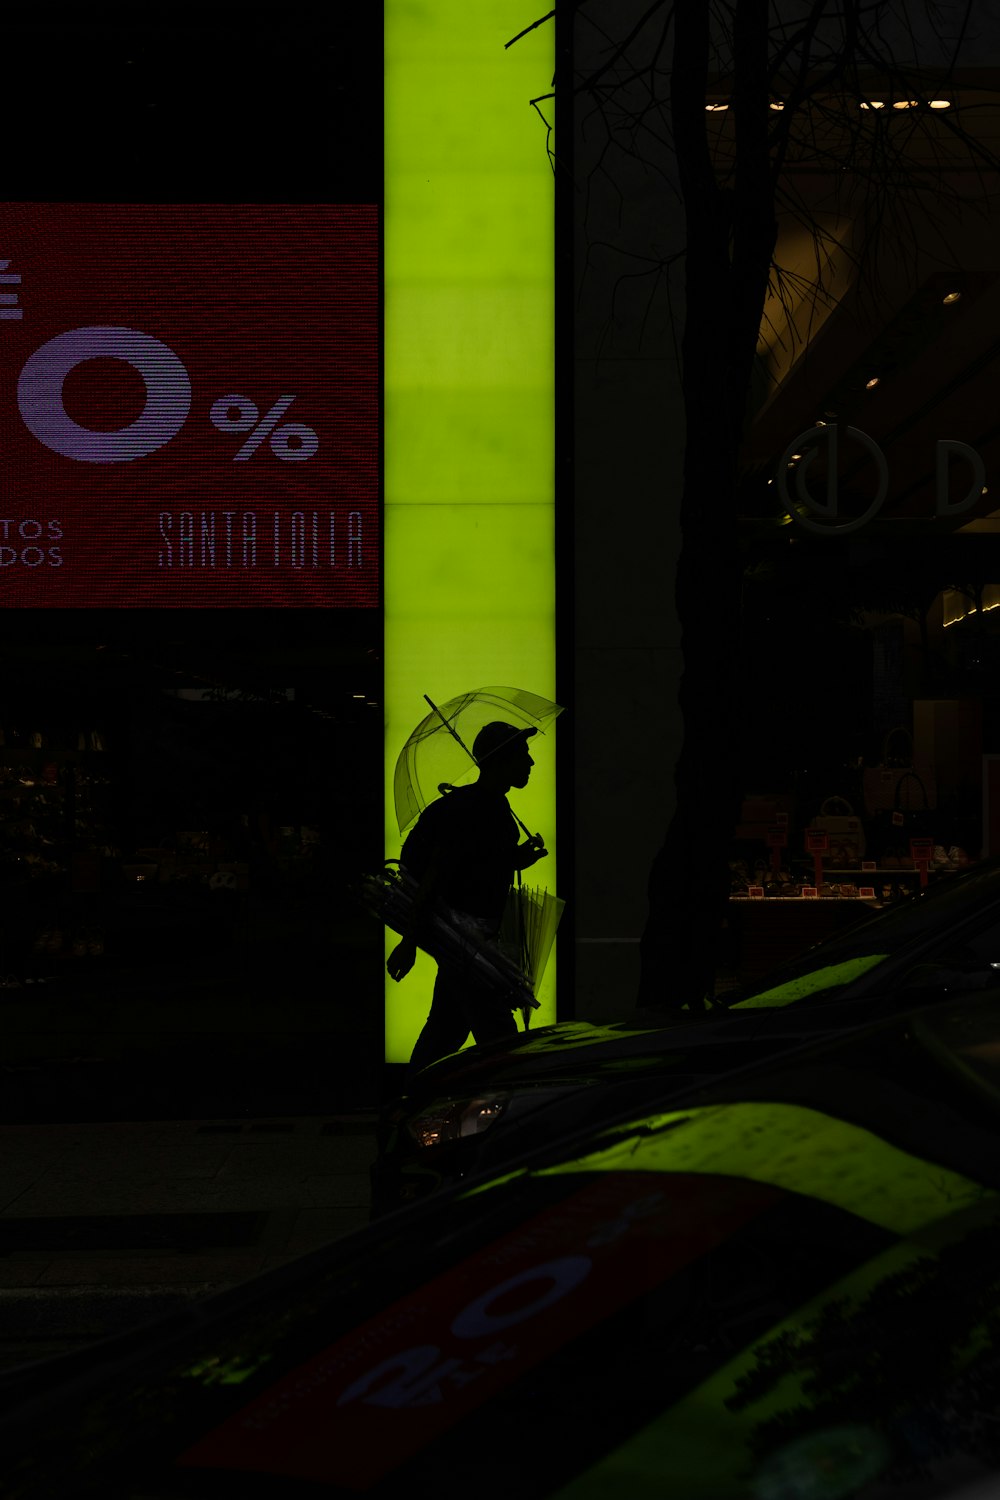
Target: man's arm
530,852
404,955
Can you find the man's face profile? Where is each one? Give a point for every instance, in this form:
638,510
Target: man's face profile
519,767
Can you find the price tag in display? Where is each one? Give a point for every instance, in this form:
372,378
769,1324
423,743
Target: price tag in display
921,851
757,892
869,864
817,842
867,893
810,892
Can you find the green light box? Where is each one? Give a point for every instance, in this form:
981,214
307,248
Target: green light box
469,572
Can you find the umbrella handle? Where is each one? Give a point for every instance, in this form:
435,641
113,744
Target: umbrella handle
535,837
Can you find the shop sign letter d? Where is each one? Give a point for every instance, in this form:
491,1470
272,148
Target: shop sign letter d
942,506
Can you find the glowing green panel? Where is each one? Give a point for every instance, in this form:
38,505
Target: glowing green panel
469,467
482,337
437,213
479,463
466,565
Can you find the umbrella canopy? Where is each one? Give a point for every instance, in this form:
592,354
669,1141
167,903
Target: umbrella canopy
439,751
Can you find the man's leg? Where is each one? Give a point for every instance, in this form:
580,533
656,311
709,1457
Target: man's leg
489,1018
460,1005
446,1027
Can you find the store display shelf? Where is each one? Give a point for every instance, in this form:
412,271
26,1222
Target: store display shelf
800,900
21,755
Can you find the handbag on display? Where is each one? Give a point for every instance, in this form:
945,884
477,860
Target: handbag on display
898,760
838,820
910,816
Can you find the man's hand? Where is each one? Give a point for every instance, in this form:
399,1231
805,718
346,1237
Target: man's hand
530,852
401,959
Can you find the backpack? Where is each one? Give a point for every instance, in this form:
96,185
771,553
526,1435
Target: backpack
419,844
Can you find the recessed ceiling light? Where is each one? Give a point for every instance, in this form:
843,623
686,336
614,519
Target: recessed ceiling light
951,297
939,103
870,384
713,108
873,104
906,104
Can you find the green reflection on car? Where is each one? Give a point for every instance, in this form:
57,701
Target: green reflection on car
767,1409
581,1034
792,1147
829,977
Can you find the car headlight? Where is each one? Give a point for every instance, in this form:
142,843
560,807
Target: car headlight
452,1119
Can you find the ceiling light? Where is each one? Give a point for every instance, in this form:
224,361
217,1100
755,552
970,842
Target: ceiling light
777,104
940,103
873,104
906,104
871,384
714,107
951,297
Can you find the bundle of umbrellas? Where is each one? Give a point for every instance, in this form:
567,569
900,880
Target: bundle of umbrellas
448,938
530,921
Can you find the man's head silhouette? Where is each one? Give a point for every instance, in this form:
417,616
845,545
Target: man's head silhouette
501,752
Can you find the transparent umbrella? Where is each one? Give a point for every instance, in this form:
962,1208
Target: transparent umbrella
439,751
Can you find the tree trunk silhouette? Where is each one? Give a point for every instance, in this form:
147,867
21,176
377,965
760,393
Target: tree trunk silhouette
731,235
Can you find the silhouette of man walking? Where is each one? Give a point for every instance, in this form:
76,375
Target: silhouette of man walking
464,852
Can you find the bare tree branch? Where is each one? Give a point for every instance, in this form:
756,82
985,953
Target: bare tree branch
528,29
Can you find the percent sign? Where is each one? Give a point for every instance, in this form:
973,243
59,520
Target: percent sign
248,419
168,401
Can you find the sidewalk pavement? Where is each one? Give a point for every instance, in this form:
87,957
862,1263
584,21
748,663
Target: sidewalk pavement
106,1225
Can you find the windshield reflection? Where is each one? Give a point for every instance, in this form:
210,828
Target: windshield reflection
839,961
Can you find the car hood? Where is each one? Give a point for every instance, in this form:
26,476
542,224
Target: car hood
583,1051
782,1286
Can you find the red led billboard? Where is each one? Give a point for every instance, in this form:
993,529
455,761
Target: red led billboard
189,405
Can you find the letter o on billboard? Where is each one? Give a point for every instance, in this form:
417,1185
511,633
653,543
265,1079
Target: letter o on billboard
40,402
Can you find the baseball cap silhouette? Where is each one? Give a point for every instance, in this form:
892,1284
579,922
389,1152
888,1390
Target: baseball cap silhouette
498,737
